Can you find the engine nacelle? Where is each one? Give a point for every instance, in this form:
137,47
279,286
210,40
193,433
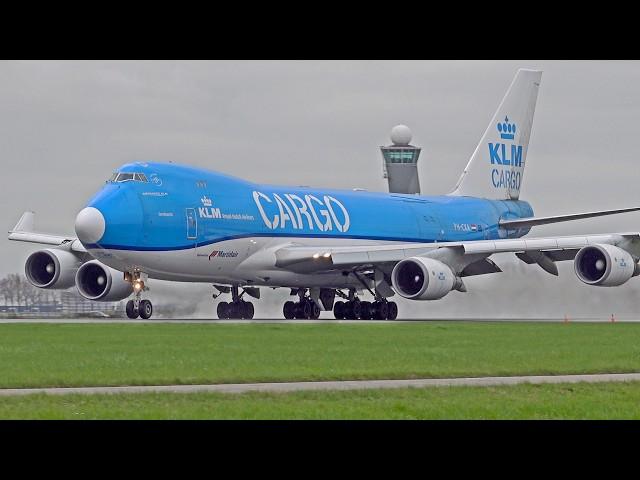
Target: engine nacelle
604,265
51,268
98,282
420,278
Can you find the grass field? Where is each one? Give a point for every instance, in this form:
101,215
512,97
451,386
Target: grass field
36,355
575,401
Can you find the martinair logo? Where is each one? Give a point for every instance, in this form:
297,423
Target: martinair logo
223,254
506,155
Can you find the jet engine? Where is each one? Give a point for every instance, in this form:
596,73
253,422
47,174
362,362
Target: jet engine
604,265
101,283
419,278
51,268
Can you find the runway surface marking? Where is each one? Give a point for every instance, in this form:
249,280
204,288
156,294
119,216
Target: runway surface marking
333,385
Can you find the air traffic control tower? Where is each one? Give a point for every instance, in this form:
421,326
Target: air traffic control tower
400,166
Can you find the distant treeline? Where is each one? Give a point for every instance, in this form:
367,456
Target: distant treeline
16,290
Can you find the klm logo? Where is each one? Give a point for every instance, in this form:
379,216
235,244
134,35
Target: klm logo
507,130
508,155
498,154
207,211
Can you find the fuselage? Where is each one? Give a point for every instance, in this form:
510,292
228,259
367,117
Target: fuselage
182,223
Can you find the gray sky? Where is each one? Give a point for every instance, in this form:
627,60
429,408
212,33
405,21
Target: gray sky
65,126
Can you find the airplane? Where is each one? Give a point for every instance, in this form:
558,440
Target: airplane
331,248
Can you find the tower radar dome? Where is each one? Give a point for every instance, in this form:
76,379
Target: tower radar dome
400,135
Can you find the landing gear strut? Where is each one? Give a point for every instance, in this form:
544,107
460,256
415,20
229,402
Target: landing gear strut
138,307
237,308
305,308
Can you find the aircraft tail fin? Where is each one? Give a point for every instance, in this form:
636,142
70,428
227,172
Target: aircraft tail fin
496,167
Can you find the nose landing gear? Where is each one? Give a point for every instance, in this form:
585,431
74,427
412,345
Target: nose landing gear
138,308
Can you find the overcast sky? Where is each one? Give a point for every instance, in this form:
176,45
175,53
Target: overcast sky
65,126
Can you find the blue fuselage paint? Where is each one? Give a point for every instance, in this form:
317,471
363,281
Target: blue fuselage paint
180,207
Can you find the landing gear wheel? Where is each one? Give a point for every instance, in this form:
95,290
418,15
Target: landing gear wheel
315,311
132,311
338,310
223,310
365,310
289,310
392,314
247,310
146,309
303,310
382,310
357,310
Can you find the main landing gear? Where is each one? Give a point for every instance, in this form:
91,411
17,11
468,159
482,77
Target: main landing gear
305,308
138,308
361,310
237,308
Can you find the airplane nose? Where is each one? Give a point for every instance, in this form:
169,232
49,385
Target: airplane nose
90,225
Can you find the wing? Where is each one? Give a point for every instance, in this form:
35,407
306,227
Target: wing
466,258
24,232
535,221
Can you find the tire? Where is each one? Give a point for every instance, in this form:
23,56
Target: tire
132,312
338,310
348,311
223,310
146,309
393,311
289,310
248,310
357,310
315,311
307,309
382,310
365,310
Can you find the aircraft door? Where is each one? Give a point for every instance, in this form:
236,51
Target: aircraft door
192,224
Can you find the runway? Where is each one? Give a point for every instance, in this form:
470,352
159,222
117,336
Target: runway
332,385
326,321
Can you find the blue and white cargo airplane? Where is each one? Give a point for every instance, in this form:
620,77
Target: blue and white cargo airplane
171,222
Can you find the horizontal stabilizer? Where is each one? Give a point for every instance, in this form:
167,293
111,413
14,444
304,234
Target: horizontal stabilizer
535,221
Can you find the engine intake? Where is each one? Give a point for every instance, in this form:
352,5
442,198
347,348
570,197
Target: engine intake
99,282
51,268
419,278
604,265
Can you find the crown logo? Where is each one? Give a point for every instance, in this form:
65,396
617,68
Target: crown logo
206,201
507,130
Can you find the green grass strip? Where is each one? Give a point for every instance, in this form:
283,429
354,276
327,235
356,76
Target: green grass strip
39,355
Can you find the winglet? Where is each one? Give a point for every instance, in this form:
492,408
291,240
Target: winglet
26,222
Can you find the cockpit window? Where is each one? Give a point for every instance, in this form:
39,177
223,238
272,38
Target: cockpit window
119,177
124,177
